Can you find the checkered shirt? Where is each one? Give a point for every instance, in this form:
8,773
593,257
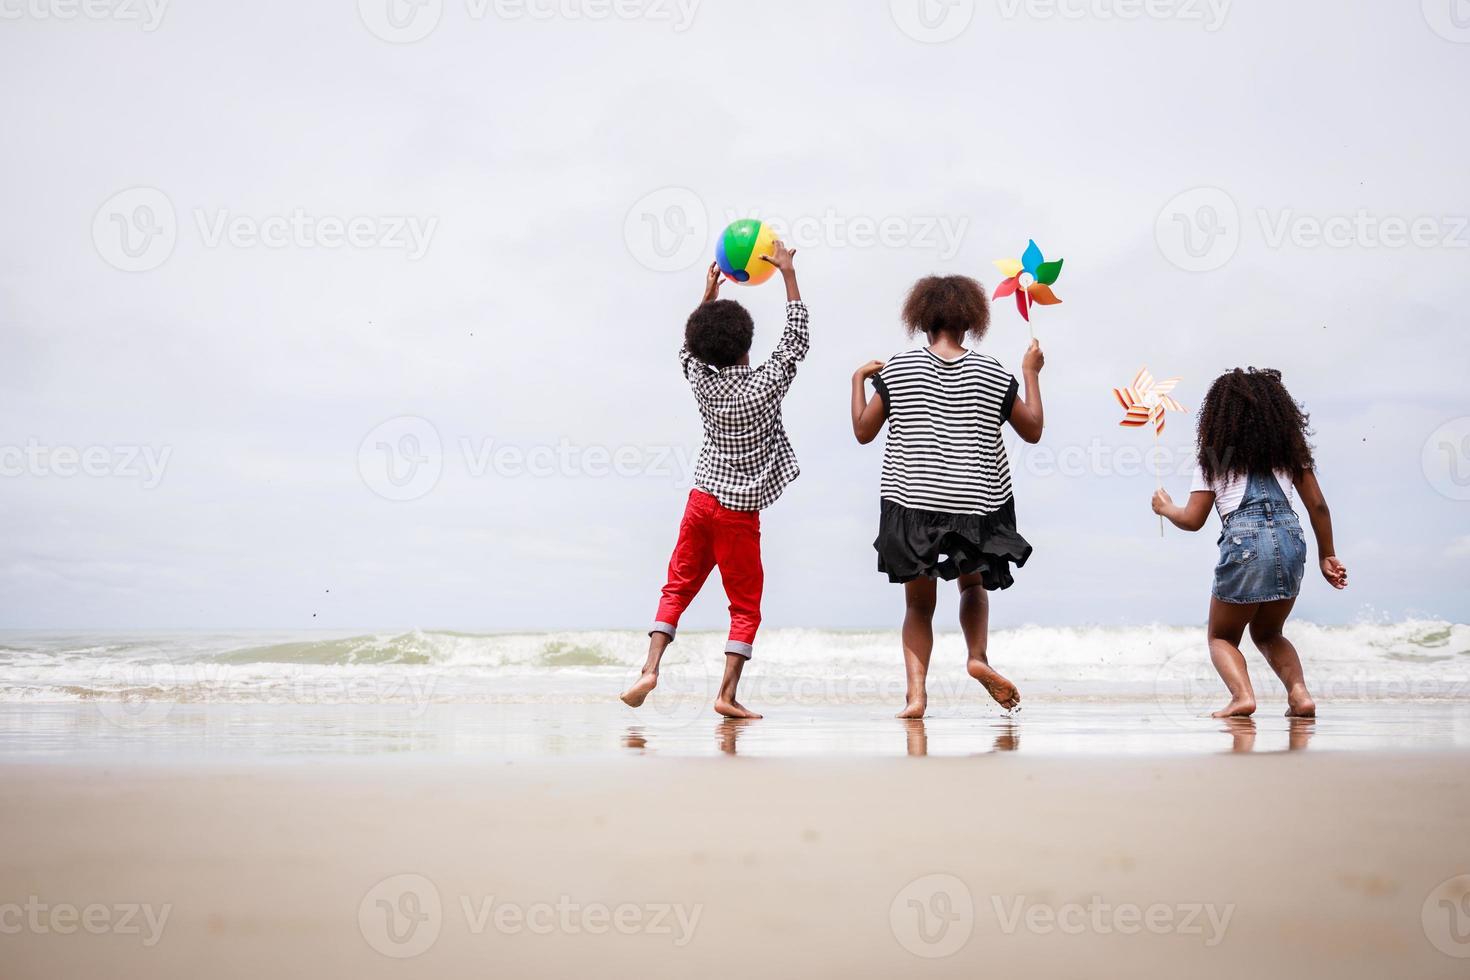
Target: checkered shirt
746,459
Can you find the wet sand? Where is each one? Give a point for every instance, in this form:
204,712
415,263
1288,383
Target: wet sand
1329,864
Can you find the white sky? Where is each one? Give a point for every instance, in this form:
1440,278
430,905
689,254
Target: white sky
523,143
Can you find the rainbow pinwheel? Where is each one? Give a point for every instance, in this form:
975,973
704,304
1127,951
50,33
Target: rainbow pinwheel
1145,401
1029,279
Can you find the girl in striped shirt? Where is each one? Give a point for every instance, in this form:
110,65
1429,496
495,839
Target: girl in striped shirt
947,510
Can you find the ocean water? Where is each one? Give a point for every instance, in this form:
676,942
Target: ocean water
251,693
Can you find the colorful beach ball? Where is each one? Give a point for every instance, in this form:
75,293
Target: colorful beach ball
740,249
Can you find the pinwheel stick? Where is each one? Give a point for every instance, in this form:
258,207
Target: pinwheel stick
1158,476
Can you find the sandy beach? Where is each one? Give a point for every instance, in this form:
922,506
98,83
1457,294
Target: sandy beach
1325,864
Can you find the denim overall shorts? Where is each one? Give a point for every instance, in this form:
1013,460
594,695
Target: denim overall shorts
1263,552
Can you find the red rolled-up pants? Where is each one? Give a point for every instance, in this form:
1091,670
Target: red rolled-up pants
712,535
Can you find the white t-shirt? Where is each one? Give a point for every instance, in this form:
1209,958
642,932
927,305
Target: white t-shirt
1231,491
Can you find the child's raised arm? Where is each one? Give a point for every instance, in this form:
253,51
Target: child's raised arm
1027,417
780,368
1334,571
1192,516
868,416
712,281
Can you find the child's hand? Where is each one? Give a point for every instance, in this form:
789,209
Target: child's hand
1034,360
783,259
868,370
712,281
1335,572
1162,502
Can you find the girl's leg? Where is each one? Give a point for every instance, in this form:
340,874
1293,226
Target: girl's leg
1281,655
1228,621
975,621
918,643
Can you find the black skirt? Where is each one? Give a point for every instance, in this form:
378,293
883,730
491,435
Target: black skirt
914,544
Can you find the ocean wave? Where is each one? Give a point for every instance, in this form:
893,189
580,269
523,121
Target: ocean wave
1410,659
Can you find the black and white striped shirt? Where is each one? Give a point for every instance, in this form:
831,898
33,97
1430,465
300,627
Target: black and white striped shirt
746,459
944,449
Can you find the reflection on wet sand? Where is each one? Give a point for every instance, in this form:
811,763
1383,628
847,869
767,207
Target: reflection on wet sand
1007,737
727,733
916,737
1242,732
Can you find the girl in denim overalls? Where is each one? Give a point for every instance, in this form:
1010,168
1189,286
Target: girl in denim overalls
1253,453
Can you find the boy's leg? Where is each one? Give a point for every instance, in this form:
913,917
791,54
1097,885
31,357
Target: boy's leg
975,622
725,702
1281,655
737,548
918,643
689,566
1227,625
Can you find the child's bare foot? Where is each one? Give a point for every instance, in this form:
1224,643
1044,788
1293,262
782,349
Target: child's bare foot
634,696
731,708
1299,704
1239,708
914,709
1005,693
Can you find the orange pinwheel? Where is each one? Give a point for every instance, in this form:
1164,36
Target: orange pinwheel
1145,401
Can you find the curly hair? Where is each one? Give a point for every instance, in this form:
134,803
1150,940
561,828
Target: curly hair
955,305
719,333
1249,423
